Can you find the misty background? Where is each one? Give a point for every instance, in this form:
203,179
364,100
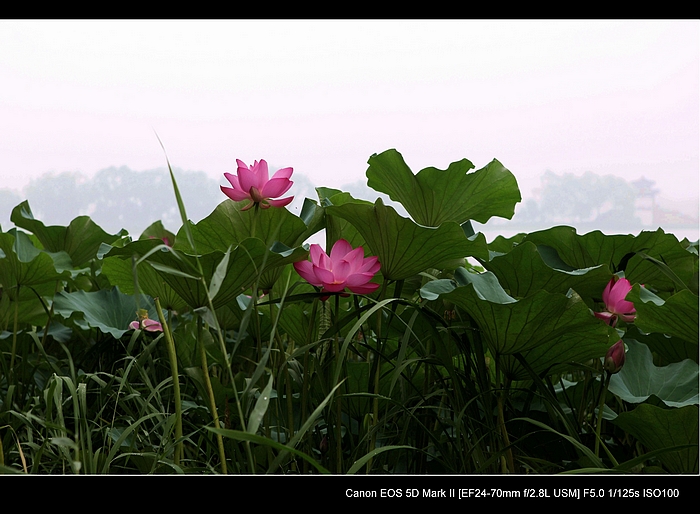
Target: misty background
121,198
599,120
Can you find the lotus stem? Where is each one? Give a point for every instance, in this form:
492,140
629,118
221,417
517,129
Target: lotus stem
179,448
210,393
14,338
507,464
338,400
377,374
601,406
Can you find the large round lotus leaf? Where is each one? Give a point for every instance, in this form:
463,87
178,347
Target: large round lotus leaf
228,226
523,271
120,273
659,428
227,274
676,316
667,348
676,384
81,239
433,197
336,226
156,230
674,262
405,248
25,268
110,311
27,275
550,330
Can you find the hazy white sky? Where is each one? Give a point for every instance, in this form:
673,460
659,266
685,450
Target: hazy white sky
321,96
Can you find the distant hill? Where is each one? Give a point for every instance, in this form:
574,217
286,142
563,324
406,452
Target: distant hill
120,198
115,198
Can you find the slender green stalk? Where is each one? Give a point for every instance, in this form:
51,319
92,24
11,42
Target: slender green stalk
377,374
222,344
290,403
304,405
507,464
482,389
256,215
338,400
210,393
307,375
601,406
258,328
239,408
14,339
172,355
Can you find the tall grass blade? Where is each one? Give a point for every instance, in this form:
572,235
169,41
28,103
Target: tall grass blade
357,465
260,408
252,438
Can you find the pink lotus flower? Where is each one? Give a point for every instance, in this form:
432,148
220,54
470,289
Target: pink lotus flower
143,323
149,325
615,358
614,297
253,184
345,268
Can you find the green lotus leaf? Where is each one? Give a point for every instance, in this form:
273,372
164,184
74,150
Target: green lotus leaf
337,227
246,262
81,239
313,217
27,276
550,330
659,428
676,316
108,310
26,268
228,226
405,248
524,270
667,349
156,230
433,289
676,384
29,311
433,197
653,258
120,273
501,245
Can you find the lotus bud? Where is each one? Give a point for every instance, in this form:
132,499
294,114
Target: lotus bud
615,358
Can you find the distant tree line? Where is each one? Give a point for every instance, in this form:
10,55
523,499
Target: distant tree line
119,197
115,198
603,200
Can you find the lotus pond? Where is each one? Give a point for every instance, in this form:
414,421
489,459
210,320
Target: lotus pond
404,345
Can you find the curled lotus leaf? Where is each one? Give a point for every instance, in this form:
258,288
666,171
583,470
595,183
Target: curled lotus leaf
434,196
405,248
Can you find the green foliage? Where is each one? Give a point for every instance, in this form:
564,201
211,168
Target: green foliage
675,316
108,309
550,329
434,196
492,365
675,384
405,248
672,431
80,240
